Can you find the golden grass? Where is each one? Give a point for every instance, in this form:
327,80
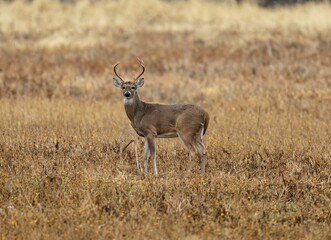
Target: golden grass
62,177
265,80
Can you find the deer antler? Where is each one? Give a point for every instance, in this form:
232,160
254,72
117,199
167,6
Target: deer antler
116,72
142,65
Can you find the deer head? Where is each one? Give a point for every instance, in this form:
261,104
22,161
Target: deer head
129,89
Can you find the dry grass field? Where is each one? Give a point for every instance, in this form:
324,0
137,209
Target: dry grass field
263,75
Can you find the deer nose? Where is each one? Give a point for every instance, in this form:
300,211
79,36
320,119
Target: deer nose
127,94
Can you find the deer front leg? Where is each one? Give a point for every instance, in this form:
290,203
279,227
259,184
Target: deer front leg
152,151
146,155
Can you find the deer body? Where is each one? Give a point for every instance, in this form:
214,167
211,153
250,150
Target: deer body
186,121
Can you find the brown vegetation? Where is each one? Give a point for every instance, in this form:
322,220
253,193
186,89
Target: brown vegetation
266,87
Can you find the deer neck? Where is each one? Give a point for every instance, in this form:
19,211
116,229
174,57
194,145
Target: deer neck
131,106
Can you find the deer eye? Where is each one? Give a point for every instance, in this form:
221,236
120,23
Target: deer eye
133,88
123,87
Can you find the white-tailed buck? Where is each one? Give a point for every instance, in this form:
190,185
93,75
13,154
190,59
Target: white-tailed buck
186,121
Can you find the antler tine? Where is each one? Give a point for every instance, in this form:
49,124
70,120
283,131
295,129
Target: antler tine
116,72
143,66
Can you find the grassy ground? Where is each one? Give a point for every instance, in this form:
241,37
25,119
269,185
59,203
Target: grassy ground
263,75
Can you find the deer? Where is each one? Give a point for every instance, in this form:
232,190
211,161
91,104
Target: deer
188,122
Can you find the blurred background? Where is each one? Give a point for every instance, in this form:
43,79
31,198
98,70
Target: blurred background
67,48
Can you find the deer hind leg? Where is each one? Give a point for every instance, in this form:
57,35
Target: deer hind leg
188,144
150,150
201,149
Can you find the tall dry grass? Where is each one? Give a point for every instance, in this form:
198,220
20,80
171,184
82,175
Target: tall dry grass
263,75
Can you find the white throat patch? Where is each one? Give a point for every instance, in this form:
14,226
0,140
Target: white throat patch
128,101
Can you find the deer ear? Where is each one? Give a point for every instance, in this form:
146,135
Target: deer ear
117,82
139,82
